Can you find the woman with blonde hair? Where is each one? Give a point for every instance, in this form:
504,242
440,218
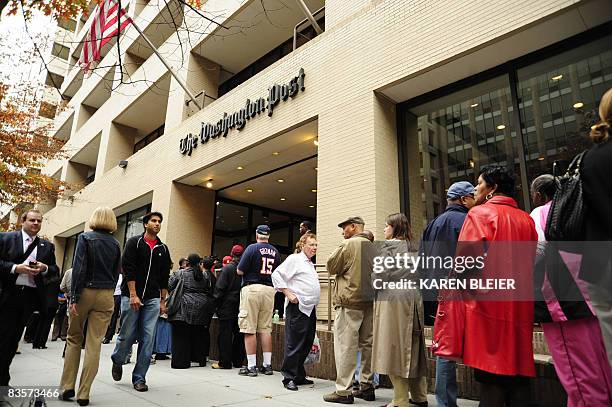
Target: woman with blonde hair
596,266
95,270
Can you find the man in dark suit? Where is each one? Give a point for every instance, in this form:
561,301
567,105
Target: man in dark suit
21,279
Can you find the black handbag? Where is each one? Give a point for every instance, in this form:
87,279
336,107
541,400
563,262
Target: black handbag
173,304
566,218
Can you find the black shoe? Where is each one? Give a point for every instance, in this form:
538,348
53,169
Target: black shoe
66,395
106,341
39,347
83,402
117,372
290,385
267,370
418,403
53,339
248,371
141,387
366,394
355,385
203,364
303,382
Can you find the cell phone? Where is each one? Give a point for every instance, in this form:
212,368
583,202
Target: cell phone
33,263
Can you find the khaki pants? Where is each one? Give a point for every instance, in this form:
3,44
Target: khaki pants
406,389
352,332
95,306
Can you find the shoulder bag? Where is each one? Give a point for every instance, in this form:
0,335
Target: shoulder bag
173,304
566,217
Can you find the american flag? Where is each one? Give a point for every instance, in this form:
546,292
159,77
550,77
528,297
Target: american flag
103,27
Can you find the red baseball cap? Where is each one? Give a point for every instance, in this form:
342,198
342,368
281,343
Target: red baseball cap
237,250
226,260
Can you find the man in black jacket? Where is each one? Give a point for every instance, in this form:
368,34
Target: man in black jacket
146,269
21,279
227,297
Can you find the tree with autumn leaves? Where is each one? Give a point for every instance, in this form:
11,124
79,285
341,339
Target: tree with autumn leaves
25,147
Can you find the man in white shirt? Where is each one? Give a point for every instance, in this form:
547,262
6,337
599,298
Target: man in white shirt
21,282
297,279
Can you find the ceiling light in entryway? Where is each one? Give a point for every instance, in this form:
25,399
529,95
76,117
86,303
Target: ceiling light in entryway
311,206
557,78
474,105
313,190
578,105
316,142
501,127
240,167
249,190
280,180
275,153
283,199
209,184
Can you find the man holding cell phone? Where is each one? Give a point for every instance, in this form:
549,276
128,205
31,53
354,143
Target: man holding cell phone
25,259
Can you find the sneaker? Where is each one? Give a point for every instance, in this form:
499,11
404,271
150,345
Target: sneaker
338,398
366,393
267,370
117,372
248,371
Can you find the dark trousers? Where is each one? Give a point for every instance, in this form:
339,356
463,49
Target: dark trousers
300,331
500,391
112,327
30,329
231,344
60,323
44,326
190,343
17,305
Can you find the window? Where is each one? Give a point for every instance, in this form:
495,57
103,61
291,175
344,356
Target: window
149,138
47,110
448,136
67,24
60,51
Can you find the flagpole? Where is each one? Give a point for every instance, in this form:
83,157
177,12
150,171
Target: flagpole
179,80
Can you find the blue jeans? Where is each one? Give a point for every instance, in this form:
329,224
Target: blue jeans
375,378
446,383
137,325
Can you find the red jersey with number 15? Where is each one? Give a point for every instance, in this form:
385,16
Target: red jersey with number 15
258,262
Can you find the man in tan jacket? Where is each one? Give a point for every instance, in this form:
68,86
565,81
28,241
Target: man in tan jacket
351,263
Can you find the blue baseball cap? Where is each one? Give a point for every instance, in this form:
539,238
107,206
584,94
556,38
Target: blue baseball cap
263,230
459,189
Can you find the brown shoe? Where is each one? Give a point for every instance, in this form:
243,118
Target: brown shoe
338,398
141,387
365,393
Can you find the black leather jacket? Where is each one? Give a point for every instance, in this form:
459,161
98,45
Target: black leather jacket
96,264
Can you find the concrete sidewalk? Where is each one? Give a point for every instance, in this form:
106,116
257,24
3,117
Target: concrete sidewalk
197,386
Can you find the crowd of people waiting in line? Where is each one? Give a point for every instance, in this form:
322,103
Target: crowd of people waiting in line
170,313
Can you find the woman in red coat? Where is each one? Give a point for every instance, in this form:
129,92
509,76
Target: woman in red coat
498,332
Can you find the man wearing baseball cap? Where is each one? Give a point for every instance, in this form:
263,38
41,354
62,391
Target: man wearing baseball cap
351,263
440,239
257,299
227,298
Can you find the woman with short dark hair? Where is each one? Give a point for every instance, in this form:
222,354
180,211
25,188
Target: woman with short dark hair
498,331
190,335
